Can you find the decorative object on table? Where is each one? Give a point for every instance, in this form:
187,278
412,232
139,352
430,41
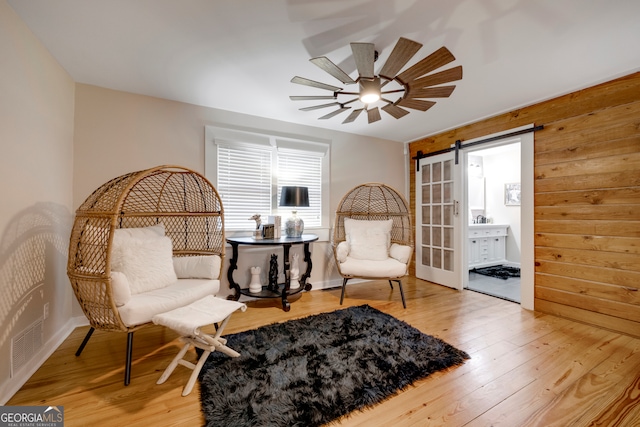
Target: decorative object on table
255,286
268,231
374,356
294,277
512,194
257,233
294,197
273,272
276,220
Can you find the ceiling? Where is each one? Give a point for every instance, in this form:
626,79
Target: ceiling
241,55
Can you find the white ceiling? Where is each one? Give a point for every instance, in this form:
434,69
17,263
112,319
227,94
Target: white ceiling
240,55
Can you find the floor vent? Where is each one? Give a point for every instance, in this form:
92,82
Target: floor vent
25,345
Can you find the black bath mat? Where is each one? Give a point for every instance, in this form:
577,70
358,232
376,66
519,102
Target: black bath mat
500,271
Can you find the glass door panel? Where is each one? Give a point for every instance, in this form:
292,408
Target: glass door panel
437,219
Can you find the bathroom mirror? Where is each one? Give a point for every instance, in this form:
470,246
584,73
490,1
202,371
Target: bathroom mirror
476,193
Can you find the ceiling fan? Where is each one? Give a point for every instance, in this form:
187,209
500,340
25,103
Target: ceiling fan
409,89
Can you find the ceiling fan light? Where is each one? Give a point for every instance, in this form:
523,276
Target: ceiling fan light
408,88
370,90
369,98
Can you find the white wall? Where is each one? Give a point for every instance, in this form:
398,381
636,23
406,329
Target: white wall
36,172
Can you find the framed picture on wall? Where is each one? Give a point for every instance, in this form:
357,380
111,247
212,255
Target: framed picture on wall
512,194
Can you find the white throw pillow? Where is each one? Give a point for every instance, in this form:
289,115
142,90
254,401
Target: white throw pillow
197,267
368,240
120,289
141,233
342,251
147,262
400,252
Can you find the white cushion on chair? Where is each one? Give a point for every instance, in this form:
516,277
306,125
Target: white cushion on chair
342,251
372,269
368,240
400,252
142,307
147,262
197,267
120,289
142,232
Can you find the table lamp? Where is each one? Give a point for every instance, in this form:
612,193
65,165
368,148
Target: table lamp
294,197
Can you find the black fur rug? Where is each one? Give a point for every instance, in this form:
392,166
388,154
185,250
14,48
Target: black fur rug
310,371
500,271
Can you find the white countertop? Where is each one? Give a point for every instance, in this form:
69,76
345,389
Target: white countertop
487,225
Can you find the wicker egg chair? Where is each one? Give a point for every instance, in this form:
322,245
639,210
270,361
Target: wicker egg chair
183,200
374,201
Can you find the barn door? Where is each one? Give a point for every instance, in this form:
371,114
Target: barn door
438,221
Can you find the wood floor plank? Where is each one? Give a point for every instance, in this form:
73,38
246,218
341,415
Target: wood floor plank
623,408
526,368
553,372
607,392
495,381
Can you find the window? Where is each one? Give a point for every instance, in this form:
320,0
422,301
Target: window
249,170
304,169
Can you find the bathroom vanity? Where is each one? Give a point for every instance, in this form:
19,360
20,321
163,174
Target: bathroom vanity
487,245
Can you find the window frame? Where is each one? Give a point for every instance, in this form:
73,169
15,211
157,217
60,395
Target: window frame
214,136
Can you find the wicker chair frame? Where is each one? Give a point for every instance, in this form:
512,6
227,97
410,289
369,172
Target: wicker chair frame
374,201
184,201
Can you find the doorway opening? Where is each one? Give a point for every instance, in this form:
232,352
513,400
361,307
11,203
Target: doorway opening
493,241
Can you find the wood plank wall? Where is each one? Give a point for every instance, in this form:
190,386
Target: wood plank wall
587,200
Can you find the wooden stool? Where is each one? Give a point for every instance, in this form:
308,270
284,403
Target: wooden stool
187,321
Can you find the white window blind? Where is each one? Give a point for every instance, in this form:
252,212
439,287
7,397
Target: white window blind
244,183
302,169
249,175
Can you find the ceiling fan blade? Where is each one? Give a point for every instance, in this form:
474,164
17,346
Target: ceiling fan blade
313,83
402,52
446,76
364,55
317,107
374,115
437,59
431,92
395,111
416,104
331,68
311,98
354,115
334,113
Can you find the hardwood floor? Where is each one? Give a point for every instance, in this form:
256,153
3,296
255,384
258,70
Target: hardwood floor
526,368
